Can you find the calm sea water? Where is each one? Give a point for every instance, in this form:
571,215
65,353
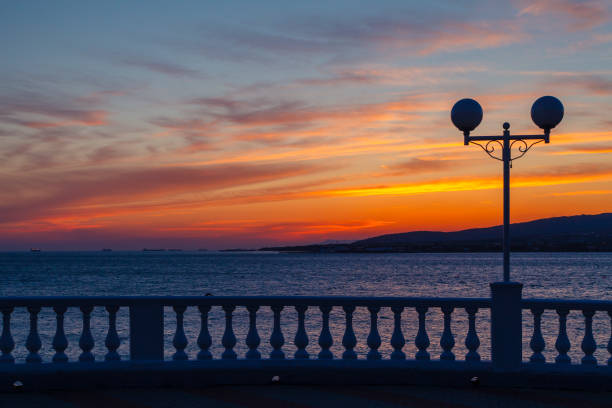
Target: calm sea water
570,276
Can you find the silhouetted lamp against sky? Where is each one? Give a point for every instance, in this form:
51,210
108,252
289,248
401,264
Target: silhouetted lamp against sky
546,113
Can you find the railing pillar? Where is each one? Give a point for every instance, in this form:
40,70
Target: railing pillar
146,332
506,325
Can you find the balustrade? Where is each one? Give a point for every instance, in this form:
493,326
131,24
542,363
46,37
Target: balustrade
537,341
373,338
180,340
33,343
610,341
204,339
301,337
112,341
252,339
325,339
397,338
86,342
562,308
276,339
588,342
349,340
6,340
372,306
447,341
421,340
229,339
60,342
472,342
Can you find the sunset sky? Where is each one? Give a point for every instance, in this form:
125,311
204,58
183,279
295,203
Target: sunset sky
209,124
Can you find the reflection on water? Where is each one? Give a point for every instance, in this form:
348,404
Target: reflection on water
576,275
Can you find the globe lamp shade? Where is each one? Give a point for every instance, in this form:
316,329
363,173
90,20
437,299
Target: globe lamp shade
466,114
547,112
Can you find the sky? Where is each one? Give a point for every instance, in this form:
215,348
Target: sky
191,124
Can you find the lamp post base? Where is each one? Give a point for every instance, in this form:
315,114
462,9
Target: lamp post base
506,325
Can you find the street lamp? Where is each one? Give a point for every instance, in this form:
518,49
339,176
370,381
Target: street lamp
466,115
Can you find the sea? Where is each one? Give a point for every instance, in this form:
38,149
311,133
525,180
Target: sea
178,273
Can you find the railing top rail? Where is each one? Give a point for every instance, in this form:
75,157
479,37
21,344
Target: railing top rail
569,304
48,301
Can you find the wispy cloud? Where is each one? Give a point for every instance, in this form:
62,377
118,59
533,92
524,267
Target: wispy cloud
380,74
416,34
344,38
593,84
582,15
74,118
160,67
292,122
419,166
45,114
40,110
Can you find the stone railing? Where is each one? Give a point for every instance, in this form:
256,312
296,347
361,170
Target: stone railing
146,328
588,308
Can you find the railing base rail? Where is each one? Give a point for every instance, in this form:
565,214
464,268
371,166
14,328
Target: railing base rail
189,374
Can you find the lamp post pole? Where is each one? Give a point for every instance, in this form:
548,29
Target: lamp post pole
506,239
506,309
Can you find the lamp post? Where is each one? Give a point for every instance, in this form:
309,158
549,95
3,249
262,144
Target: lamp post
466,115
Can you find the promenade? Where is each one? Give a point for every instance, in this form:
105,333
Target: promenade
291,396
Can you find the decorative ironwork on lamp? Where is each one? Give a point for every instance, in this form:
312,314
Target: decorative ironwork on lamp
546,113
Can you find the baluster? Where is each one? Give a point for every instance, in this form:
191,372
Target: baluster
86,342
112,341
301,337
373,337
349,341
180,340
229,339
610,341
472,342
60,342
397,338
562,344
33,341
421,341
277,339
588,342
204,339
537,343
7,344
252,338
325,338
447,341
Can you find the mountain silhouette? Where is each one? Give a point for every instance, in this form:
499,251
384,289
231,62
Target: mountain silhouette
573,233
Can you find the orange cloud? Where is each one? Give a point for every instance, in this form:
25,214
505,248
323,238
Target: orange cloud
584,149
583,192
557,176
282,229
475,35
38,196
